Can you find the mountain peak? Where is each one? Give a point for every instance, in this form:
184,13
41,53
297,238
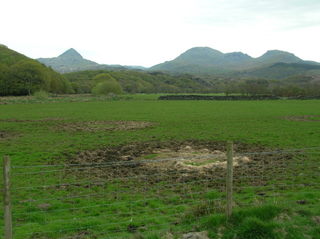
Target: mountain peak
202,51
68,61
279,56
276,52
71,53
199,55
237,55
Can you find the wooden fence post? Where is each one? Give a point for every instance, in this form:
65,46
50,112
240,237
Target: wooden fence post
229,179
7,199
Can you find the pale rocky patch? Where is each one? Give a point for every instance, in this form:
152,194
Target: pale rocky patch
188,159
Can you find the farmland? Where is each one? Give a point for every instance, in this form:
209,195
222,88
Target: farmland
43,138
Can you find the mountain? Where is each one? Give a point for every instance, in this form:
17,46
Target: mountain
68,61
276,56
204,60
21,75
281,70
209,57
72,61
201,61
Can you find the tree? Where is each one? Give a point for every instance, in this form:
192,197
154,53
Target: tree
107,87
255,86
28,75
231,86
102,77
106,84
4,77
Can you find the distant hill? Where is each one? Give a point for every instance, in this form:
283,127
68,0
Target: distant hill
200,61
20,75
72,61
68,61
276,56
281,70
207,61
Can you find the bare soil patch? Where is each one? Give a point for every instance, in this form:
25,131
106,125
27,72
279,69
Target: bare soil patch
60,124
154,162
94,126
6,135
306,118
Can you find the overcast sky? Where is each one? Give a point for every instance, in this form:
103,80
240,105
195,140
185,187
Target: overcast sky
148,32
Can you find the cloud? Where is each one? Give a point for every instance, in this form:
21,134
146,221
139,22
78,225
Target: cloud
280,14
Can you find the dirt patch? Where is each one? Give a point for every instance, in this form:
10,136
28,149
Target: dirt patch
6,135
154,162
306,118
94,126
60,124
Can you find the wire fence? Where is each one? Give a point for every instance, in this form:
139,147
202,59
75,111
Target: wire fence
120,198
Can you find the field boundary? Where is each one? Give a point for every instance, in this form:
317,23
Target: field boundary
234,97
191,189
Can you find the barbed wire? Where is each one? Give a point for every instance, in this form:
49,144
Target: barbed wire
188,192
104,182
141,211
116,203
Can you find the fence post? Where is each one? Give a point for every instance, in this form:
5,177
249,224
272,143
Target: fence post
7,199
229,179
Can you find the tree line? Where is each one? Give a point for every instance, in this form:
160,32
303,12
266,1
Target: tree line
20,75
290,87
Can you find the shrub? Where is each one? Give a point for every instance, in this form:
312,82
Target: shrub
107,87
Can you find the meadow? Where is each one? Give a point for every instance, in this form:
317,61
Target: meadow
52,199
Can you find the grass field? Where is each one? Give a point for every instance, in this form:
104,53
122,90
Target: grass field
43,133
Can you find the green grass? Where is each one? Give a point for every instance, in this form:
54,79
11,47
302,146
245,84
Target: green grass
138,209
262,222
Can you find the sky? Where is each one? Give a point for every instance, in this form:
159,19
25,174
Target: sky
148,32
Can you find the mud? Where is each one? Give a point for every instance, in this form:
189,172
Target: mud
6,135
154,162
60,124
305,118
95,126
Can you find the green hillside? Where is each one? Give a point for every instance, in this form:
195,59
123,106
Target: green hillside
281,70
132,81
20,75
139,81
